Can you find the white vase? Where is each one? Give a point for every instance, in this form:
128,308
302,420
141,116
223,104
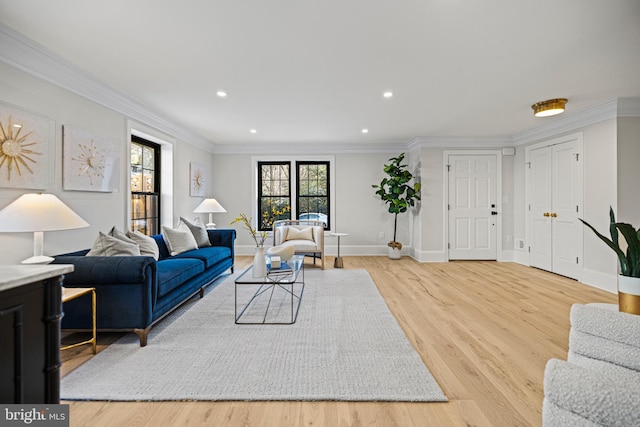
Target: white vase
259,263
629,294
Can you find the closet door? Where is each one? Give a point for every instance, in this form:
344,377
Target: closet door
555,197
540,190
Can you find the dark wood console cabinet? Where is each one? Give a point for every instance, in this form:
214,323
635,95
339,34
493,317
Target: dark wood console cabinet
30,312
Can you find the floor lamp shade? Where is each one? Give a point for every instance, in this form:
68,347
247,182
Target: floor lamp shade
36,213
209,206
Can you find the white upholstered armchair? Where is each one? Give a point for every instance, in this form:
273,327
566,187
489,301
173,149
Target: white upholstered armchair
307,237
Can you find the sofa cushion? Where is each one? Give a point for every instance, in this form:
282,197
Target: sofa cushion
173,272
210,256
163,249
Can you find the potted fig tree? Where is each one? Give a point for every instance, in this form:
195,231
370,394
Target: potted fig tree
629,278
399,193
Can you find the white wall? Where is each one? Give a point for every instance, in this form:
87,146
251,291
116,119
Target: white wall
100,210
628,161
359,212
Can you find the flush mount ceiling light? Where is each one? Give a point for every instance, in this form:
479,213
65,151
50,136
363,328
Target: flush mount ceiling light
550,107
253,131
221,94
365,130
388,94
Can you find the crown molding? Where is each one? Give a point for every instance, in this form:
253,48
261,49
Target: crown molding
617,107
628,107
320,148
26,55
459,142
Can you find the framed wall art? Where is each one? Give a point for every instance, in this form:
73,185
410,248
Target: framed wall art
90,162
26,140
198,177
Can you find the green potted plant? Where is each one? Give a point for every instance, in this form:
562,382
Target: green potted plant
396,191
629,278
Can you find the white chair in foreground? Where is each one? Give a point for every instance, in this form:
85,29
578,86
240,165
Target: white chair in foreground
307,237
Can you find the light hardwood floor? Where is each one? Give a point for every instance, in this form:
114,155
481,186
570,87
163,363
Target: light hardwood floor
484,329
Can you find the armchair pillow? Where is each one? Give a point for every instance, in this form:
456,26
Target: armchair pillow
178,241
299,234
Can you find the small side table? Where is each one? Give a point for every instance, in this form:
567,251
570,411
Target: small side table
338,261
72,293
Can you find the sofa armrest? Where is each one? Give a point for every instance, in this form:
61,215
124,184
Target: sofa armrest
223,237
108,269
592,395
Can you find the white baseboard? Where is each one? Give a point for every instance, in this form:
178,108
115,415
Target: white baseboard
597,279
430,256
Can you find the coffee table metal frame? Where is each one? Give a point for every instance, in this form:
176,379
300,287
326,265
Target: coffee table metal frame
268,284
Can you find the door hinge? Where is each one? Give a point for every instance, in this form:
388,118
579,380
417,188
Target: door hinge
577,155
448,207
577,210
528,164
577,260
529,248
448,168
529,207
448,245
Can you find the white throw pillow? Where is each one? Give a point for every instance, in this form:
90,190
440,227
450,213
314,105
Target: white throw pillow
299,234
148,245
199,232
114,232
106,245
178,241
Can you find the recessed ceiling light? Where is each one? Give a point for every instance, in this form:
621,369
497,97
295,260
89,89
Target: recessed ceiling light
388,94
253,131
365,130
221,94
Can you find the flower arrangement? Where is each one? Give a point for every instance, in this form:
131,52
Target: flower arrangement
258,236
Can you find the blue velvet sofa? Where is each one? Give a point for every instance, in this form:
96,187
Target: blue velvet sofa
135,292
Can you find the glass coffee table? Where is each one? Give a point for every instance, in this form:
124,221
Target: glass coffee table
273,299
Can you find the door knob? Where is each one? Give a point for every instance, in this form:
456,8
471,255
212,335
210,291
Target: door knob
546,214
554,215
494,213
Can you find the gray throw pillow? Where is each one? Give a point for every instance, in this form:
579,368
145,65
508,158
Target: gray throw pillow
199,232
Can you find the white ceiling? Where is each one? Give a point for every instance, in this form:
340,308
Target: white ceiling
313,71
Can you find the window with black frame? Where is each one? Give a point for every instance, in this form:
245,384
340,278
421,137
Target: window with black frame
312,195
144,182
274,193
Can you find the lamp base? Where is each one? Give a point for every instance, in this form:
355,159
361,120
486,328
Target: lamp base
39,259
210,226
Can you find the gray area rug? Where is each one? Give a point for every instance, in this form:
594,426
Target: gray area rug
345,345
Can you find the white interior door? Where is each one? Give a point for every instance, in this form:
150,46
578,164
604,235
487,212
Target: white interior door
472,207
555,197
540,186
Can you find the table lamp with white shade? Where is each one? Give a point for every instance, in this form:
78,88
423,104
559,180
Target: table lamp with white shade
209,206
37,213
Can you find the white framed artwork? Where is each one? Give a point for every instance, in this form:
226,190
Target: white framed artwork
90,162
26,139
198,175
